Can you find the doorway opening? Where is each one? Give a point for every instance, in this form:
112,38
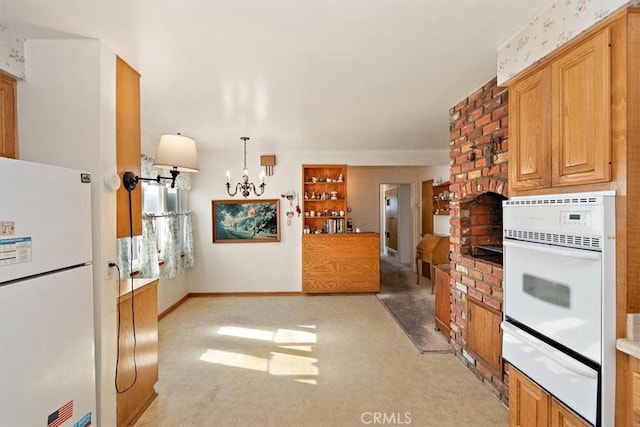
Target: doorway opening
396,223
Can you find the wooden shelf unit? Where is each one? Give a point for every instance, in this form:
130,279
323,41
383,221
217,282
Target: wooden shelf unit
324,199
441,197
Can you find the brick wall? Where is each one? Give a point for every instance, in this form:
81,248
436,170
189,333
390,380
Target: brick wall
478,152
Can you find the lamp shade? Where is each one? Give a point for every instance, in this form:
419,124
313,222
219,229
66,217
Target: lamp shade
176,152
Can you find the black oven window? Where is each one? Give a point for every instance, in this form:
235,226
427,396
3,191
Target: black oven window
552,292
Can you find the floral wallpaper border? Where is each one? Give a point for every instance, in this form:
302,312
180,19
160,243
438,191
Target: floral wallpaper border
552,28
12,53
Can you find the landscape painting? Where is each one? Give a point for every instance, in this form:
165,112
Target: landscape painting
246,221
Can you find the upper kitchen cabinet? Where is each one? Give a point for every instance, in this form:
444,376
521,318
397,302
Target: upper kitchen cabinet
128,147
560,117
530,133
8,125
581,113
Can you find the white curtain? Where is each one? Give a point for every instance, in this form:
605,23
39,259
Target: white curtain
124,256
172,246
149,267
187,250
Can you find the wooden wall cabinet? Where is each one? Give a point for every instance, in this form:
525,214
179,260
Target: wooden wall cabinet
324,198
484,335
128,146
560,119
530,131
8,117
531,406
144,305
443,299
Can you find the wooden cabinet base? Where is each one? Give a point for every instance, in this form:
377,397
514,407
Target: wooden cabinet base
531,406
136,379
341,263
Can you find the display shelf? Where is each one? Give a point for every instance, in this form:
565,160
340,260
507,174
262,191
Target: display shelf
441,197
324,201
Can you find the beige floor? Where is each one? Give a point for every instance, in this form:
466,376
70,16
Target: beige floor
306,361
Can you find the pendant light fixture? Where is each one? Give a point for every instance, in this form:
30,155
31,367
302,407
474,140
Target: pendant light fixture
244,186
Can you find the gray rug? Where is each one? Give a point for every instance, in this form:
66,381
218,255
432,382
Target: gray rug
411,304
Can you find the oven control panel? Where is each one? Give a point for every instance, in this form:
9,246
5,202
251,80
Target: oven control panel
577,219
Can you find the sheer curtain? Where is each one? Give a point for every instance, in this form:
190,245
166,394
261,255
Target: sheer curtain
172,247
149,262
187,250
124,256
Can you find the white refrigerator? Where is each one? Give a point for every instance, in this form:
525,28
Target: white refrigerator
47,361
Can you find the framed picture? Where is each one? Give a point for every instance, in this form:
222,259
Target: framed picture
246,221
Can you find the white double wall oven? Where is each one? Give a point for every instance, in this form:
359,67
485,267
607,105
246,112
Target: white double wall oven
559,297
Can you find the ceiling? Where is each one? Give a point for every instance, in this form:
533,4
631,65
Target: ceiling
294,75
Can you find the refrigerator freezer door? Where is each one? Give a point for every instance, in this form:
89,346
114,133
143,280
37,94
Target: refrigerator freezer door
47,348
45,219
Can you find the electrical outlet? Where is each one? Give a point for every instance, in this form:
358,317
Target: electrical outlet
110,272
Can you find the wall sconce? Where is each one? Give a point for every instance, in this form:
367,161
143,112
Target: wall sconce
268,162
177,153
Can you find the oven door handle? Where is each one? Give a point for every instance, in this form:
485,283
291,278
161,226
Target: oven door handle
553,250
553,354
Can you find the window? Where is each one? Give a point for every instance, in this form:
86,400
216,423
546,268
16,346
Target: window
157,200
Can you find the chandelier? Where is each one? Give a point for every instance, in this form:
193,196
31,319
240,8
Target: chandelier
244,185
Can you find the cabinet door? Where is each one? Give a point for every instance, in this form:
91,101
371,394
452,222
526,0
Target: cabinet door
530,135
564,417
581,113
528,403
443,300
8,135
128,146
136,381
484,336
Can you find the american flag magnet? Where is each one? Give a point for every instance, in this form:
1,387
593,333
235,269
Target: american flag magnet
61,415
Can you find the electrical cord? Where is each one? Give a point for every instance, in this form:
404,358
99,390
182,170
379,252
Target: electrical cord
133,314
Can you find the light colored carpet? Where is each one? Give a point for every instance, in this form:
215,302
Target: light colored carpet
411,304
306,361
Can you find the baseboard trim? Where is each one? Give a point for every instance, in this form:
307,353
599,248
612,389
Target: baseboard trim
243,294
168,311
181,301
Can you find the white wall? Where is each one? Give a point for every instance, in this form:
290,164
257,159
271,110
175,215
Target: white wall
66,117
244,267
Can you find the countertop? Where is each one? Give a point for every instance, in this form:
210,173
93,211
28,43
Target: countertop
139,285
628,346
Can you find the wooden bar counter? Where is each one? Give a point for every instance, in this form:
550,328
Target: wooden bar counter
340,263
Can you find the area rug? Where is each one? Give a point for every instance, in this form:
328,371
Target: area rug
412,305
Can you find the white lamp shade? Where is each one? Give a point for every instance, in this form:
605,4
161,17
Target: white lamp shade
176,152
